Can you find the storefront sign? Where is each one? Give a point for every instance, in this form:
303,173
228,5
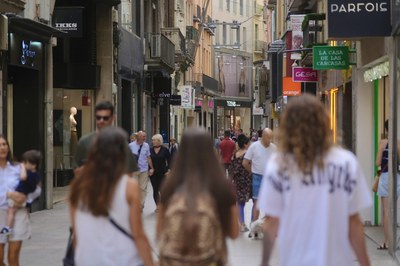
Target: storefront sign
187,94
175,100
25,52
231,103
68,19
304,74
330,57
361,18
297,35
290,88
258,111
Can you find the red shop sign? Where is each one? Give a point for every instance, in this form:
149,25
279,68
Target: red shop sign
304,74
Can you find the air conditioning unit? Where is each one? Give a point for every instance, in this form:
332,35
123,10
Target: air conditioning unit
155,46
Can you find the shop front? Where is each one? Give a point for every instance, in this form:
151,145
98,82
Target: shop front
232,115
25,86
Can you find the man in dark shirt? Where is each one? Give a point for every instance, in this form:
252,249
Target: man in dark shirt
226,149
104,115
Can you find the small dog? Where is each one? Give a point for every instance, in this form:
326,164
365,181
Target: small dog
256,229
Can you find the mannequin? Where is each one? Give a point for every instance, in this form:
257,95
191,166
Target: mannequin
74,133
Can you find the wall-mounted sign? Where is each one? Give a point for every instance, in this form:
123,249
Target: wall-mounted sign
358,18
175,100
304,74
330,57
187,94
69,19
25,52
258,111
297,35
290,88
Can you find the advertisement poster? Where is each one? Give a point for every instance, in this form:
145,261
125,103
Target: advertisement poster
297,35
234,75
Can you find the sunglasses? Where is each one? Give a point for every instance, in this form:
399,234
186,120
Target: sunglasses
105,118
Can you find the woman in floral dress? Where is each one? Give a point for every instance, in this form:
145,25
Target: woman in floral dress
241,178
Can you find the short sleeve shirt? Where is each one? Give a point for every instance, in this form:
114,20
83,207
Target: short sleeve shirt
314,209
144,154
9,179
259,155
227,147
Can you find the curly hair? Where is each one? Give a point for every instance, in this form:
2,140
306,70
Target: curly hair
305,132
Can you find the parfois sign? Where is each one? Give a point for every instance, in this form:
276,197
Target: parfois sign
358,18
330,57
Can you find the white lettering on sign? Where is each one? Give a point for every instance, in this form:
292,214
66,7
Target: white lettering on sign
67,26
359,7
306,74
27,53
231,103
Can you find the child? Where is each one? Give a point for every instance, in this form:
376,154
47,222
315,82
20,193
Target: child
28,183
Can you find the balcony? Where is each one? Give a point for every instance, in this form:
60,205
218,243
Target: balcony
12,6
260,46
177,38
312,28
160,53
192,35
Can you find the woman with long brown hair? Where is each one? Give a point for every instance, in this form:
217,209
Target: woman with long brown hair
105,207
312,192
197,210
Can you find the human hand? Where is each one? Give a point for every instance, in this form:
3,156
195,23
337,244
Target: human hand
151,172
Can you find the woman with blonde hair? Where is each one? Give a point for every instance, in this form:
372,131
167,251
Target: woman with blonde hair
105,207
197,207
312,192
160,158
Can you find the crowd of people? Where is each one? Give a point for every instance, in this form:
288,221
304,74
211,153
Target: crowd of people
200,194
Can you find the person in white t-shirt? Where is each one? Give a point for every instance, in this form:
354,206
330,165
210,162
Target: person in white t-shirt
254,162
312,193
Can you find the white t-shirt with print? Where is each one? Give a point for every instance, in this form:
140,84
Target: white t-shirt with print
259,156
314,211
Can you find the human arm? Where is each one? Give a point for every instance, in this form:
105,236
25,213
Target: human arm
247,165
357,239
381,147
150,162
135,217
35,194
160,219
271,225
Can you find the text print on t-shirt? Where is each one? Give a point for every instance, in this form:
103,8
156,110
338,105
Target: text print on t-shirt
335,175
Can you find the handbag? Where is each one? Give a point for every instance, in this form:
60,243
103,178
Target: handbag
68,259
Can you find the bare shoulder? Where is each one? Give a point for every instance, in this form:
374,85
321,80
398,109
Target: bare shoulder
132,190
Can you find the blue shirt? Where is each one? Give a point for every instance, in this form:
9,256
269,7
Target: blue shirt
9,179
143,156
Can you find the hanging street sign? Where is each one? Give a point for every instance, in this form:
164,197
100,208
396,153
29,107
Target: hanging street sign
330,57
304,74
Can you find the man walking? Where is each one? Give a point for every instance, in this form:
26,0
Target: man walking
226,149
142,151
104,115
255,160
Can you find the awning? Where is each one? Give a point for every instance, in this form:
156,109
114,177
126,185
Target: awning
301,5
37,30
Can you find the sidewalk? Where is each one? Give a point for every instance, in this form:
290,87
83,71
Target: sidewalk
50,233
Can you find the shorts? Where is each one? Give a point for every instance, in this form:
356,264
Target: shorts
11,203
21,229
256,184
383,187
